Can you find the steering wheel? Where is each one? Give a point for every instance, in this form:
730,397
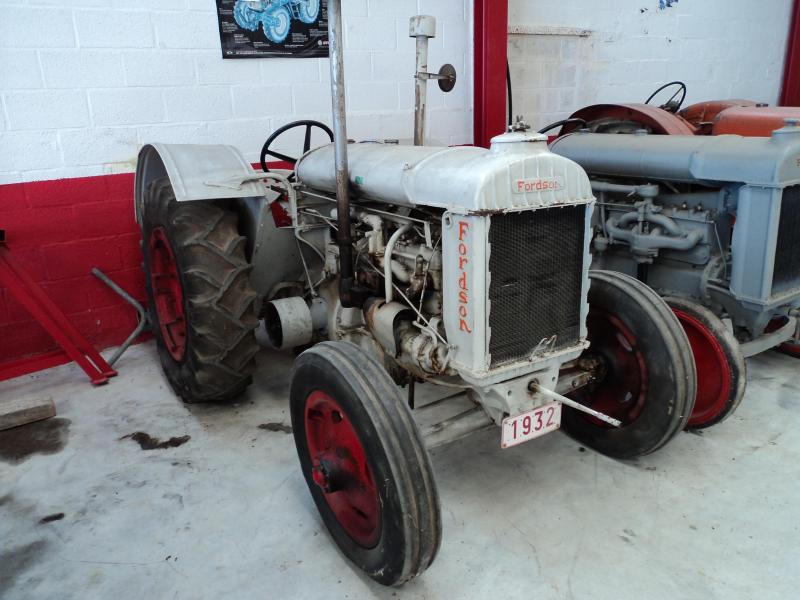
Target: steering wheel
562,123
671,105
309,125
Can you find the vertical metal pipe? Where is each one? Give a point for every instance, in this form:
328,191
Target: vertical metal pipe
421,96
343,236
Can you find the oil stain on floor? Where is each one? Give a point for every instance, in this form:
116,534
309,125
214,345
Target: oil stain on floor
44,437
148,442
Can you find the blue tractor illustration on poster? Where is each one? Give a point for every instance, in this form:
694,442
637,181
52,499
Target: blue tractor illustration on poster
275,16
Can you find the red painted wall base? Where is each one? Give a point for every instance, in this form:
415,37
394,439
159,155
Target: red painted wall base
58,230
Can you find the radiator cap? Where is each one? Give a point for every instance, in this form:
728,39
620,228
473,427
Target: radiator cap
519,141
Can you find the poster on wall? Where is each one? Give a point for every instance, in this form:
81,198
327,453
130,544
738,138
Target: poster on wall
273,28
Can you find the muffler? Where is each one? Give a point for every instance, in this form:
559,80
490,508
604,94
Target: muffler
291,322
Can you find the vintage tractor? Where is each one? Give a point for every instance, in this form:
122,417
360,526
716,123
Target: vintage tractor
717,117
274,16
713,224
392,265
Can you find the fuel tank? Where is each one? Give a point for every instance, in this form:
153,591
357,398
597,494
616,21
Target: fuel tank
518,172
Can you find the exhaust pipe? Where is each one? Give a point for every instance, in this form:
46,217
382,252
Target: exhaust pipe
349,297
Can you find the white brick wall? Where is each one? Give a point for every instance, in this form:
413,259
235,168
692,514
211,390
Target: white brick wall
720,48
84,83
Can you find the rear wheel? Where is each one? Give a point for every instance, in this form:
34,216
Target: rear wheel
721,369
364,462
308,10
645,372
202,305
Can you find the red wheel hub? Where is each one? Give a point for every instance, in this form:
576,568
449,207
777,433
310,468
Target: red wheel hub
622,391
714,375
341,470
167,294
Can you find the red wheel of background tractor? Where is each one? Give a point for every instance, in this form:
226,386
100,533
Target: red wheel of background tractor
721,369
790,348
167,294
341,470
645,373
364,462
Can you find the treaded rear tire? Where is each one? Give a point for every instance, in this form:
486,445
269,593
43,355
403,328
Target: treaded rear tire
218,299
410,520
668,397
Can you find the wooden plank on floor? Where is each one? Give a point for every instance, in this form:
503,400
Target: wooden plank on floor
14,413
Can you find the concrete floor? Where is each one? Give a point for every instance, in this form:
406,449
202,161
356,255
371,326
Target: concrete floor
228,515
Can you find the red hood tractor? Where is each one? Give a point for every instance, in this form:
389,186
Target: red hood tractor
718,117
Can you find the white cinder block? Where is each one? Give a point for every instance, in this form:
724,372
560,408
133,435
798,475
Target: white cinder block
113,29
289,70
187,30
29,27
311,98
19,70
129,106
156,68
634,49
262,101
84,83
46,109
212,68
28,150
82,68
372,96
98,146
205,103
371,33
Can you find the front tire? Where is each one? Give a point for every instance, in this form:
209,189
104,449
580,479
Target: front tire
202,305
364,462
647,375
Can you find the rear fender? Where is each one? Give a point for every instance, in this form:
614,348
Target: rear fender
196,172
210,172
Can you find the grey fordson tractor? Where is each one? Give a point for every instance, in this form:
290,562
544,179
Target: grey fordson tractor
712,224
390,266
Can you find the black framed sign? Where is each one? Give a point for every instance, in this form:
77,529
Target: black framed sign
273,28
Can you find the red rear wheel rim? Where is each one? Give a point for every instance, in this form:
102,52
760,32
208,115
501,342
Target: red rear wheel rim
714,375
341,470
167,294
622,391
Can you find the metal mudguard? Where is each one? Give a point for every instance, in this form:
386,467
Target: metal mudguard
196,172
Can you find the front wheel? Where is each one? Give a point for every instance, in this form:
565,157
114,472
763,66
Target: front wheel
277,25
645,371
364,462
721,370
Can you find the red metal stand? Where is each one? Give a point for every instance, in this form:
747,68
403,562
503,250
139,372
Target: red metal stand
790,95
491,52
45,311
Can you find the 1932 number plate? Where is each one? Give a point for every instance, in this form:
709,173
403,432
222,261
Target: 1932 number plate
530,425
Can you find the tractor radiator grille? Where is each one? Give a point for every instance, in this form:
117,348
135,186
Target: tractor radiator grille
536,271
787,251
